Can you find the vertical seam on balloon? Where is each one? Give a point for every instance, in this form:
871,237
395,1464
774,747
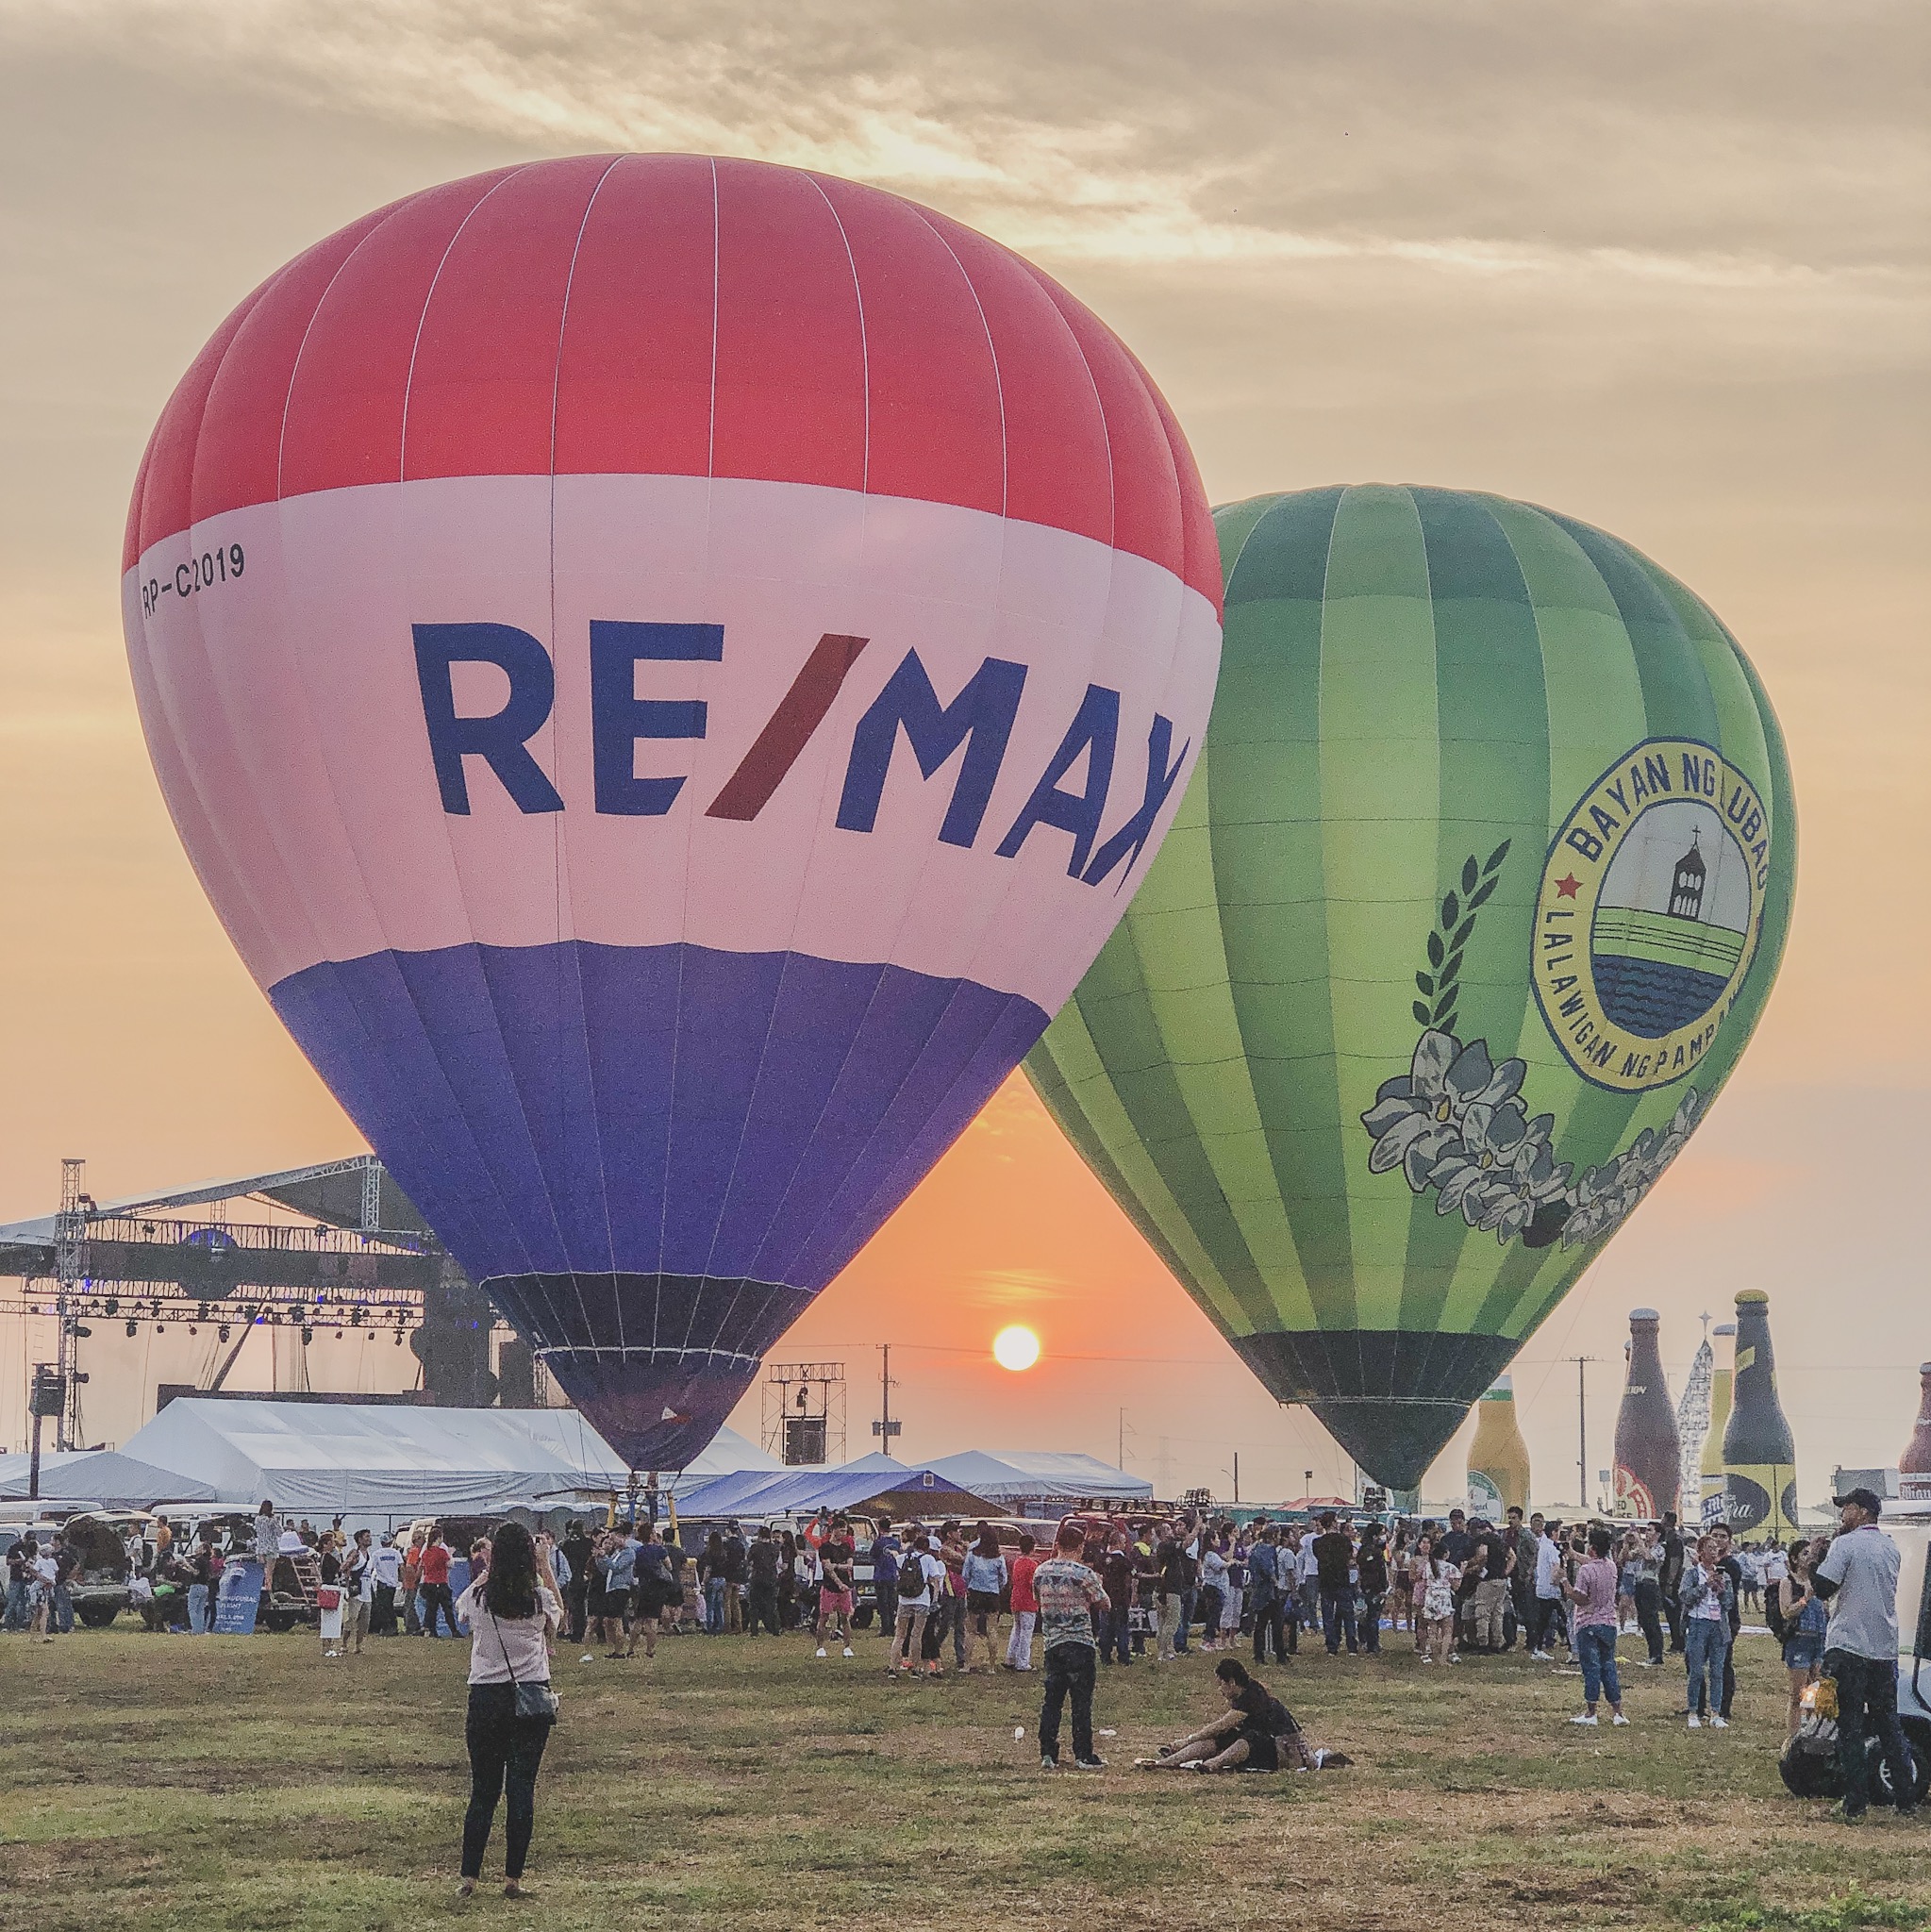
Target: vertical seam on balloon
478,948
484,1167
758,1258
1269,1293
786,956
195,629
683,949
1401,1303
809,1236
992,351
1347,1206
281,440
864,346
570,957
1485,502
801,1247
402,455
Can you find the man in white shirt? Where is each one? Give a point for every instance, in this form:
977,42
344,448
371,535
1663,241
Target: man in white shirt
386,1568
1858,1578
1548,1596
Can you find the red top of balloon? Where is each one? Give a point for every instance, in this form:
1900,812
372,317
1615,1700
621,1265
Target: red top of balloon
676,314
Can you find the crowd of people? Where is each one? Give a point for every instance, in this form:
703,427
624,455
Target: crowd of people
1106,1594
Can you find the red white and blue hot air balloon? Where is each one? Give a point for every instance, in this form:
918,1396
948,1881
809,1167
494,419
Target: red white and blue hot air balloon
669,670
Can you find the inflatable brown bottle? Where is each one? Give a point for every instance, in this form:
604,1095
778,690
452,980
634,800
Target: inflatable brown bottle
1649,1455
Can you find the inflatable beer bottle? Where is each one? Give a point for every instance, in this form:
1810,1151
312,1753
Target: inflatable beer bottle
1498,1458
1759,1454
1914,1465
1712,1484
1648,1454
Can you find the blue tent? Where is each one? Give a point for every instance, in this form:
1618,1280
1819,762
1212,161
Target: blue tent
807,1491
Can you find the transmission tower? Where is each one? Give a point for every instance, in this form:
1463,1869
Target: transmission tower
1693,1418
70,1238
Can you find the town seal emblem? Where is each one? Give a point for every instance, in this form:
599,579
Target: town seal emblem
1649,913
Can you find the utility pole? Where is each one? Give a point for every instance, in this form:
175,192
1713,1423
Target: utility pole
1237,1475
885,1428
1582,1429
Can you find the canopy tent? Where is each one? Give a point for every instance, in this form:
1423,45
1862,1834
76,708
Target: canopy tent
103,1477
1015,1476
376,1459
898,1492
878,1463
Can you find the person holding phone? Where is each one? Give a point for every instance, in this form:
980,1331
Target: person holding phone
511,1616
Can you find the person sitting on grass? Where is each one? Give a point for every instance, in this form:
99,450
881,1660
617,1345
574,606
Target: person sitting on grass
1257,1732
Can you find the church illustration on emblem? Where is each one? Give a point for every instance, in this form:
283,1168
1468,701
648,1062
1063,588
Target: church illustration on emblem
1672,920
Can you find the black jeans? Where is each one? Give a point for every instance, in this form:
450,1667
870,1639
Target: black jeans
504,1748
431,1598
1270,1627
1649,1601
1370,1625
382,1610
888,1607
1070,1667
1673,1612
1867,1689
1337,1619
1209,1614
761,1606
1116,1635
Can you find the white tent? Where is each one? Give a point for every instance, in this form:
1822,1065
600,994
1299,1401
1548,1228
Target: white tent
99,1475
1016,1477
396,1460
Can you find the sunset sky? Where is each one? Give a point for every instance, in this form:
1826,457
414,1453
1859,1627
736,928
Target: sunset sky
1660,267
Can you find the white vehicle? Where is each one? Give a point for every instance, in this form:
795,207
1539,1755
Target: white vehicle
1909,1524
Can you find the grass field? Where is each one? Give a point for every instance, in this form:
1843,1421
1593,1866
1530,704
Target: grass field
162,1783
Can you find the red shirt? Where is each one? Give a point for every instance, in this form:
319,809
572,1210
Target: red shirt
436,1563
1022,1597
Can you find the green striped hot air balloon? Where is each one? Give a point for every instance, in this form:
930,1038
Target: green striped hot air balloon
1476,896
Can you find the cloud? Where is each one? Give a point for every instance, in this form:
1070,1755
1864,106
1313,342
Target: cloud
1643,146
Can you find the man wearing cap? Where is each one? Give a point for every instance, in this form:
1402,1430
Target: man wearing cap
1857,1579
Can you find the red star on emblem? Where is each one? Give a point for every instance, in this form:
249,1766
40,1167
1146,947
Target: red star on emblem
1566,889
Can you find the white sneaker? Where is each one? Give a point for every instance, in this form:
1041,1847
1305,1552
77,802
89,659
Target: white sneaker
1426,1658
848,1650
1695,1721
1585,1717
1720,1723
1619,1719
821,1651
1540,1656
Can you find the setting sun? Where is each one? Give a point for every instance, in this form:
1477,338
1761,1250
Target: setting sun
1015,1348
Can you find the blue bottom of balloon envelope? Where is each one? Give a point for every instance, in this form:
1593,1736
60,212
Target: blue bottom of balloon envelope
653,1156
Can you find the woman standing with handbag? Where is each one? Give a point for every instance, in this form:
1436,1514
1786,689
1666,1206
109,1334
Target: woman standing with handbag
511,1617
328,1597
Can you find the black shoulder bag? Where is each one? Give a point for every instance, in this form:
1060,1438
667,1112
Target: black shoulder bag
532,1700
